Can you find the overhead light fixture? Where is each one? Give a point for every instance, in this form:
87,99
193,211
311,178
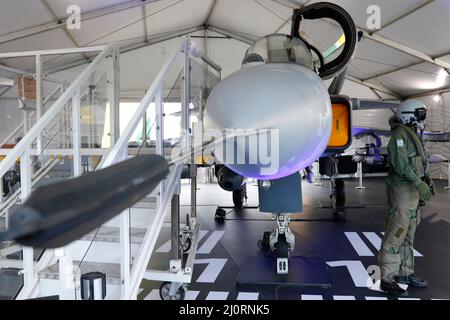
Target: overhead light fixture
437,98
438,81
441,77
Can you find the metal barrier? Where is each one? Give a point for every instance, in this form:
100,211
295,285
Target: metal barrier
31,145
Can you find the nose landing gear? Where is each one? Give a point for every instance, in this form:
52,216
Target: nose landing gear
281,241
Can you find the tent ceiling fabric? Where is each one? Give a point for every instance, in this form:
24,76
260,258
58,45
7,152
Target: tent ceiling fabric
425,29
422,25
372,59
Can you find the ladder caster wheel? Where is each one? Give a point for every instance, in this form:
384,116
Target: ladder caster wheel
187,245
164,292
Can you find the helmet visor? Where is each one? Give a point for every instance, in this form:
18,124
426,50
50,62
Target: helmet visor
420,114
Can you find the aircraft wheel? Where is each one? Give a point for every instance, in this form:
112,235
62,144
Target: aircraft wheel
282,252
340,193
164,291
264,243
239,196
282,248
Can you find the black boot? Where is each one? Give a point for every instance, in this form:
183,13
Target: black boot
412,281
393,289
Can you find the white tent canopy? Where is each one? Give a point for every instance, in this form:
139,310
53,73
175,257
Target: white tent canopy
395,61
409,56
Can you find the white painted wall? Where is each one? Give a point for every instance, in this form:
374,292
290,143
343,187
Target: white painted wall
10,117
438,120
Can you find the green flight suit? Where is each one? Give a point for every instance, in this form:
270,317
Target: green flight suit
407,163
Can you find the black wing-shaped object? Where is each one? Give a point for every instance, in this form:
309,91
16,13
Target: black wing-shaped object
57,214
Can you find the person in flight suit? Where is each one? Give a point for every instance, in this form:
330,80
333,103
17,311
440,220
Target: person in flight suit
408,187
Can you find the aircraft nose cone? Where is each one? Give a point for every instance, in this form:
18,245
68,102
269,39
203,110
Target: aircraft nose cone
288,107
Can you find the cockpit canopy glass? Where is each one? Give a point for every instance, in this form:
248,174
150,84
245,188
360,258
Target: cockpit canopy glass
279,48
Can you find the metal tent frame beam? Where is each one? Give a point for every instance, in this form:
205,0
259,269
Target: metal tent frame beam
374,86
231,34
131,47
210,12
429,93
406,14
247,40
405,49
67,31
396,45
402,68
60,23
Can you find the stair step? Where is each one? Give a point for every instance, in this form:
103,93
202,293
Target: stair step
112,271
2,225
147,202
11,282
112,234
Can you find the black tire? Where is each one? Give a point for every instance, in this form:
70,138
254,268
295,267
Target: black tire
187,245
340,193
264,243
238,198
282,248
164,292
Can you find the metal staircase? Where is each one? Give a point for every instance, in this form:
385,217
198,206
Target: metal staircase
122,247
51,150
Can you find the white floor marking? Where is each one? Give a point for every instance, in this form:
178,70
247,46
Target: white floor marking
217,295
248,296
311,297
358,244
210,243
153,295
357,271
212,270
376,242
376,298
165,248
406,299
191,295
376,286
344,298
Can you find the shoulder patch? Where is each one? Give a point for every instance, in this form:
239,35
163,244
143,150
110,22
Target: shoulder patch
400,143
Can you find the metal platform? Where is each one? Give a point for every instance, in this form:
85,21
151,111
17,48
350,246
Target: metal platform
304,272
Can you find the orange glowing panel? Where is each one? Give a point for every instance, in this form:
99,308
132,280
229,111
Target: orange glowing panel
340,133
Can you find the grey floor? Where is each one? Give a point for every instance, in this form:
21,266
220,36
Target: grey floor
348,249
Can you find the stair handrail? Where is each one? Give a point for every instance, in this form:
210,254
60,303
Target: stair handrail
23,149
47,117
